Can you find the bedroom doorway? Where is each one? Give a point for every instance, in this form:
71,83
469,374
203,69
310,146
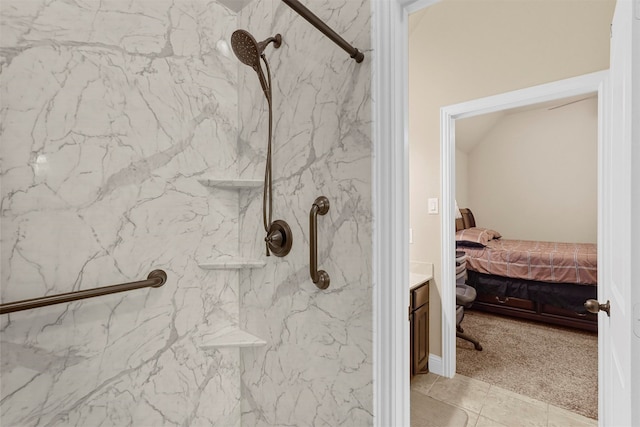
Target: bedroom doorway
531,173
552,94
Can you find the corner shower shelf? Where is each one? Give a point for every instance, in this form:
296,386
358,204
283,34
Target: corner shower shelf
231,184
232,264
230,337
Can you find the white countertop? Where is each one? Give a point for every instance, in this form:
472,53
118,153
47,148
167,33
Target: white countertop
416,279
419,272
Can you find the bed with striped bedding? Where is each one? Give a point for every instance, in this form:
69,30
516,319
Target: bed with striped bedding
532,260
542,281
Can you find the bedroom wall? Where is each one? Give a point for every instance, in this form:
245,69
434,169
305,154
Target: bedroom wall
463,50
462,178
534,175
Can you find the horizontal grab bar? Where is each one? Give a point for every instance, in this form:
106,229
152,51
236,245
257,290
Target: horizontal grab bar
155,279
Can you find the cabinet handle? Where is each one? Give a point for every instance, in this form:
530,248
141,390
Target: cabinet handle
319,277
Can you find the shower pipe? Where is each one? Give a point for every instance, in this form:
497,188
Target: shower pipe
250,52
325,29
155,279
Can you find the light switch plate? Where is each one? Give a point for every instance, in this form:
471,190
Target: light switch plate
432,206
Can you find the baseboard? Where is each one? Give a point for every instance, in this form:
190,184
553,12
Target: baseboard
435,364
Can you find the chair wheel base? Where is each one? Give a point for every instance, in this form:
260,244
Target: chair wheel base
473,341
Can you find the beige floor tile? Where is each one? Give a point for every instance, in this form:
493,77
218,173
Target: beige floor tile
486,422
499,391
472,418
429,412
423,382
559,417
514,410
472,395
460,391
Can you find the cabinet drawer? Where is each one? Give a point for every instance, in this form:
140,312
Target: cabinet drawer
420,296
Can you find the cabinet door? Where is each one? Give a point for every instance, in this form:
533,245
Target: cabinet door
420,333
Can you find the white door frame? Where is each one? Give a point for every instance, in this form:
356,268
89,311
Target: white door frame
575,86
390,179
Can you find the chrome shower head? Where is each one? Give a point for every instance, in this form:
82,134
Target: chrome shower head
248,50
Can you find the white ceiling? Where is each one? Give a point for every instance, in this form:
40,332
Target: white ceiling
472,130
469,132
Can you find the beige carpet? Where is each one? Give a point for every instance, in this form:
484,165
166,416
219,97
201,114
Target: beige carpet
429,412
548,363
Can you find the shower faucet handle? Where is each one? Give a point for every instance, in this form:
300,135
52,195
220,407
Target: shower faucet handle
274,238
279,238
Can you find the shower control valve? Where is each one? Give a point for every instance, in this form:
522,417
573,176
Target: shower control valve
279,238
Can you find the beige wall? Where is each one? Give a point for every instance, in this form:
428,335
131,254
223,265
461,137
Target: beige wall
462,179
534,175
462,50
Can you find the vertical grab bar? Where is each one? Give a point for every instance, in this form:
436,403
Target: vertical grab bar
319,277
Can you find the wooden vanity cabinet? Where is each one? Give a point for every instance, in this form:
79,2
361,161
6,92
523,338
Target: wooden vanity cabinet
419,320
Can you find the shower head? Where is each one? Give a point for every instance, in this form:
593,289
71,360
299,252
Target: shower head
248,50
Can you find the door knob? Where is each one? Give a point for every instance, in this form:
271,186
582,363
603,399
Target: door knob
594,306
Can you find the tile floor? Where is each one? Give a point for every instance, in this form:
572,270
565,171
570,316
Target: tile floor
492,406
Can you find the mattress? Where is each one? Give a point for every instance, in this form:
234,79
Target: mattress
540,261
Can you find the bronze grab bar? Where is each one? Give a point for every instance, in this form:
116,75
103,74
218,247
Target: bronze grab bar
324,29
155,279
321,277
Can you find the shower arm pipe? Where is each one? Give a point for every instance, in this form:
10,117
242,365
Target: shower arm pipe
155,279
325,29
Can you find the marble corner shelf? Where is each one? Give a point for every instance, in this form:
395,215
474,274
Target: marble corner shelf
230,338
232,264
231,184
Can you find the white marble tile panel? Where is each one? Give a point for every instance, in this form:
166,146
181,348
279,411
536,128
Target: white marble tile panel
316,368
111,111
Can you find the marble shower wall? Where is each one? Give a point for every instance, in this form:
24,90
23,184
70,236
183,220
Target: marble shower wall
316,368
111,111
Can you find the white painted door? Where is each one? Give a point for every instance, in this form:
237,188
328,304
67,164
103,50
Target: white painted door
615,370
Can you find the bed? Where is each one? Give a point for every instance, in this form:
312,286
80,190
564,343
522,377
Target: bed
541,281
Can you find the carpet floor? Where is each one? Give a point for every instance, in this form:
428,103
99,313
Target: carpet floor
549,363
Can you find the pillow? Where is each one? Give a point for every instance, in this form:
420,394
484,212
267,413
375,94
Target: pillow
476,236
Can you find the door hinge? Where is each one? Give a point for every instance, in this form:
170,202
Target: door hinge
409,313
